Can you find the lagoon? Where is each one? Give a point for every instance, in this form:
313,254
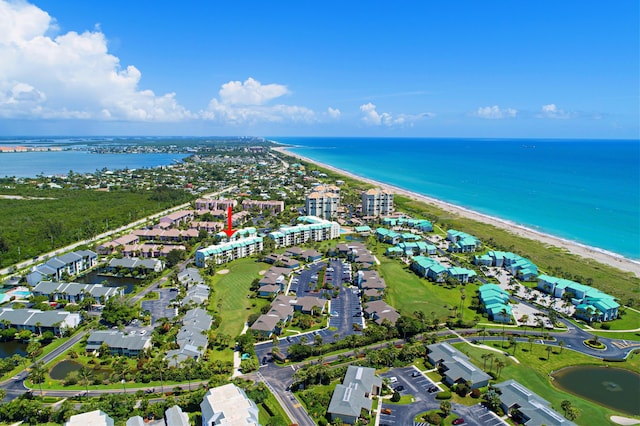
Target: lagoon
32,164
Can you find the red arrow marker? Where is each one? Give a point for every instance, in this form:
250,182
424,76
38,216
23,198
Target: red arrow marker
229,231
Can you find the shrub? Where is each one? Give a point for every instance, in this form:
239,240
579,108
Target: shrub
395,397
443,395
475,393
433,418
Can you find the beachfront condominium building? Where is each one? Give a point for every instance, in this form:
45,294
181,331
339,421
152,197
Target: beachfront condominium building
377,202
310,228
323,201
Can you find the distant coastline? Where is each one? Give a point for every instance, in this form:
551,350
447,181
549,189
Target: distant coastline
603,256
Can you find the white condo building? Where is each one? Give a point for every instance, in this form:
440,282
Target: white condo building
243,243
310,228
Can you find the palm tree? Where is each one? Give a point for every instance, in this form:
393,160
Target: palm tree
499,366
548,349
37,375
86,375
484,358
562,344
531,339
490,357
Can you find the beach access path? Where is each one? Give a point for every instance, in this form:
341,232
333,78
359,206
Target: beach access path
602,256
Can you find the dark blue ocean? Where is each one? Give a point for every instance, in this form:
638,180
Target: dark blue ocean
582,190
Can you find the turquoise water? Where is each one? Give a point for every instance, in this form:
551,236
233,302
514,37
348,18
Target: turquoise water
31,164
582,190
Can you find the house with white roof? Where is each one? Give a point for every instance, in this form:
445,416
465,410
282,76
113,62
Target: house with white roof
228,405
38,321
92,418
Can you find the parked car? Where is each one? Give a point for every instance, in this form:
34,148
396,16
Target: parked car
458,421
393,379
432,389
386,411
415,374
399,388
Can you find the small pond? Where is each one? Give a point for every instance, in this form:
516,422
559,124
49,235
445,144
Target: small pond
61,369
94,277
614,388
11,348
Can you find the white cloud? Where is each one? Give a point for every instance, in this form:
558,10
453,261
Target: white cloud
71,75
333,112
495,112
243,104
373,118
251,92
552,111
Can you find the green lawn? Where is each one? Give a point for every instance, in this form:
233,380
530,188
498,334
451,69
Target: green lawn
230,299
534,373
408,293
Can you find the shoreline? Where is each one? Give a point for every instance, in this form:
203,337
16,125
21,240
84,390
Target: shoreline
603,256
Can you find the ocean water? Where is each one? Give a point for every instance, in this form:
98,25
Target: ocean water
31,164
587,191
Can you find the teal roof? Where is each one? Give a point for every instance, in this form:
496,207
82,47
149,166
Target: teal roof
364,228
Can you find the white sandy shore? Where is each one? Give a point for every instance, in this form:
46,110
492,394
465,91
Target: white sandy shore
599,255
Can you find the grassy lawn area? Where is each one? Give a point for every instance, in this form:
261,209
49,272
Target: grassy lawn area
271,408
404,399
409,293
534,372
229,299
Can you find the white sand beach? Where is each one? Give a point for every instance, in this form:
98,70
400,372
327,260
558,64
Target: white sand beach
602,256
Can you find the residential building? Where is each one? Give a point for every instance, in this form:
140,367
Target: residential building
430,268
178,218
354,394
272,206
197,294
379,311
150,251
529,408
38,321
591,304
76,292
461,242
132,263
67,264
458,367
377,202
174,416
309,305
228,405
279,314
495,302
229,251
166,235
211,204
517,265
463,275
323,204
190,276
118,342
192,339
309,229
92,418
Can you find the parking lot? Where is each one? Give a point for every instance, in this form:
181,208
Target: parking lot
418,385
160,308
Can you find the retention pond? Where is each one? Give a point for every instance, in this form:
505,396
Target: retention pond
614,388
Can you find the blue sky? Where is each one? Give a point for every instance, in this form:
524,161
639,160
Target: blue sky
556,69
